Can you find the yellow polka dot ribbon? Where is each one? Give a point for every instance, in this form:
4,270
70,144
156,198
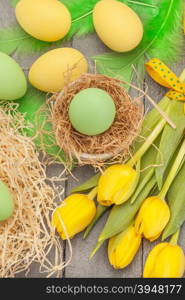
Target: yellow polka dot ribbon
165,77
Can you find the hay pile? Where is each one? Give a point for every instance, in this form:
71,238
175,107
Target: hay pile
27,236
115,142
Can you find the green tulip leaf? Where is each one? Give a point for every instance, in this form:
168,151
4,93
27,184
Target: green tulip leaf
36,112
99,212
87,185
148,168
170,140
150,121
176,202
142,185
98,245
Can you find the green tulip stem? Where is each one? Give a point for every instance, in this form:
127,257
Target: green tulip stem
93,193
151,138
173,171
174,238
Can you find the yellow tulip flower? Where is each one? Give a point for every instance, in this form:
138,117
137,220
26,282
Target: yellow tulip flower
115,183
165,261
152,218
74,215
123,247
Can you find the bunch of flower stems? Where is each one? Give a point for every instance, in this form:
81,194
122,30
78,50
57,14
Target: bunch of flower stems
136,193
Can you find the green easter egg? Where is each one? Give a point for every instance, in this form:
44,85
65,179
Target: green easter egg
92,111
13,83
6,202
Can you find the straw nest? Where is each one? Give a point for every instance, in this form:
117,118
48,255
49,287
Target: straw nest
27,236
114,143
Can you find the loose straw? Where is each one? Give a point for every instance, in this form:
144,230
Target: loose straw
27,236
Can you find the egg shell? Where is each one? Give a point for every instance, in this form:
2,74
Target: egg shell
13,83
46,20
117,25
52,70
92,111
6,202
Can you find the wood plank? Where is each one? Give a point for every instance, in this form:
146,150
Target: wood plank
7,16
157,92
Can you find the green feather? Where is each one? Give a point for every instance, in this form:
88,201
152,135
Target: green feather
162,38
81,13
15,39
36,112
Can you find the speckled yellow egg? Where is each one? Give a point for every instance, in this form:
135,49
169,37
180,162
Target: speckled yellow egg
117,25
46,20
52,70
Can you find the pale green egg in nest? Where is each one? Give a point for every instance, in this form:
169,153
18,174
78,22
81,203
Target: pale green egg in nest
92,111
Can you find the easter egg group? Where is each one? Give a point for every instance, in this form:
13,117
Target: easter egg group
92,111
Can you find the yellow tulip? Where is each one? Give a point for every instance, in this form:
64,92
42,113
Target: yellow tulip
115,183
75,213
165,261
152,218
123,247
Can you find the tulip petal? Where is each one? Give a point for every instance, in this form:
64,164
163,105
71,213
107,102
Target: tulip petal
158,214
152,218
123,248
170,263
133,243
152,259
165,261
112,181
75,213
139,223
128,189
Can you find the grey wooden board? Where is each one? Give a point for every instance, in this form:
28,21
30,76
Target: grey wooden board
80,265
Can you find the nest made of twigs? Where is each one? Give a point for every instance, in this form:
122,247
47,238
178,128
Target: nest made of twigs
115,142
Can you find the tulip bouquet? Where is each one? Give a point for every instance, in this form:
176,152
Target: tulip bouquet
144,196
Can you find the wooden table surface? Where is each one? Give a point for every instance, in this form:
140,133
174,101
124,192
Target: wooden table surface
80,265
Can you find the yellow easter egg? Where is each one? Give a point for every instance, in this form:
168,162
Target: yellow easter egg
117,25
46,20
52,70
